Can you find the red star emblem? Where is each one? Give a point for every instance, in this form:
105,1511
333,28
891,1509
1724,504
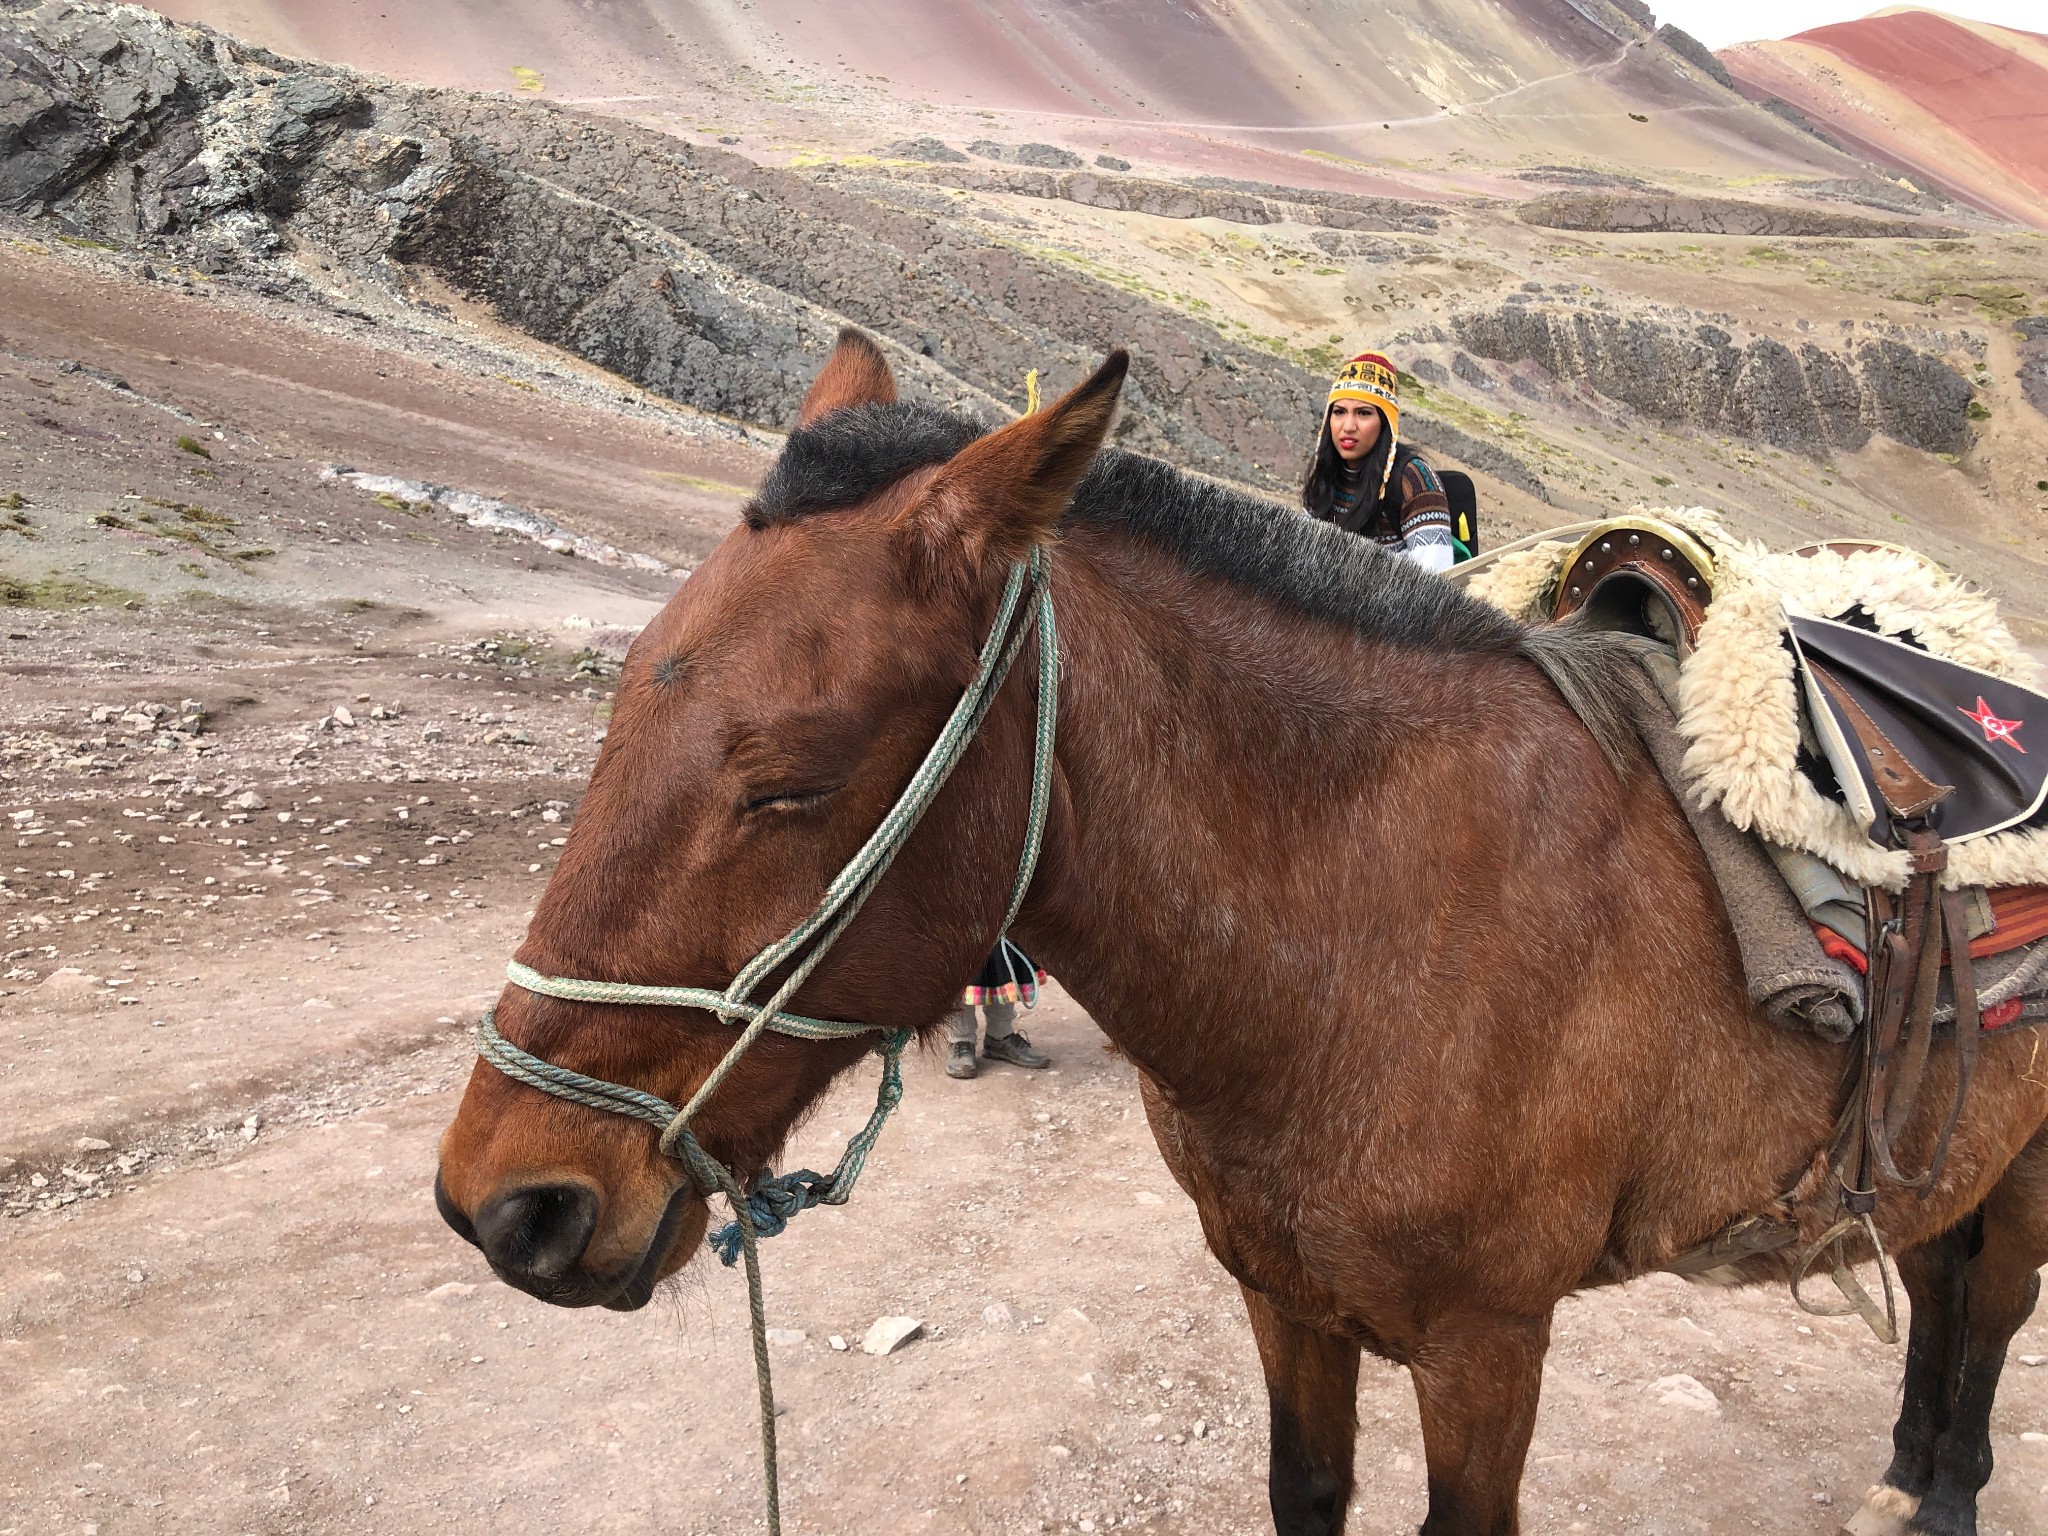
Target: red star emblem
1994,728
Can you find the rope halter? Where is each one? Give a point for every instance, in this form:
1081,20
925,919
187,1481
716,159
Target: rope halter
772,1202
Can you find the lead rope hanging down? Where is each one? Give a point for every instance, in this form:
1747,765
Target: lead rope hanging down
774,1201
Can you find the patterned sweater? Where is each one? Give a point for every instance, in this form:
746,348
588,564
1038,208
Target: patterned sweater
1414,518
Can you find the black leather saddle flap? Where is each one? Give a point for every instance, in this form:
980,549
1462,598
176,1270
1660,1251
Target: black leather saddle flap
1982,735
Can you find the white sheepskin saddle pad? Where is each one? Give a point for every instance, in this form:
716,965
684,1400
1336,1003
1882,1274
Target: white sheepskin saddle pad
1739,698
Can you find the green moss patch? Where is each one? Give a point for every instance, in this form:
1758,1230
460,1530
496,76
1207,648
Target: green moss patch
60,592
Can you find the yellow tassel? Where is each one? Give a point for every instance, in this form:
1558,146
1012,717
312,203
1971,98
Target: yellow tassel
1031,393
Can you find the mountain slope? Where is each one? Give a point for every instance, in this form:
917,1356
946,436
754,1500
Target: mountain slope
1960,104
1489,81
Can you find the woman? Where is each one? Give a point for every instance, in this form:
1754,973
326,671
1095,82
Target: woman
1366,481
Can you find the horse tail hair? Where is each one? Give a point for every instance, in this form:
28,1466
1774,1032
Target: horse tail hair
1587,666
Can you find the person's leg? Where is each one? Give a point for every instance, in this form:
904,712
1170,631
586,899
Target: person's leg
960,1050
1005,1042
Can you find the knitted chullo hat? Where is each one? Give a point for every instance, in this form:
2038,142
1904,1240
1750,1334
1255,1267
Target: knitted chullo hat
1371,378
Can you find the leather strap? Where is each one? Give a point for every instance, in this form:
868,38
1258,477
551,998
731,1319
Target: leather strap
1908,791
1922,940
1969,1028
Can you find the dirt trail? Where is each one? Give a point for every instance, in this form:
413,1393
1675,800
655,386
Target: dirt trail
518,421
228,1042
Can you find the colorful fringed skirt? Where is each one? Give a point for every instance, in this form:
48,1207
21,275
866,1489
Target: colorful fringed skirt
1007,976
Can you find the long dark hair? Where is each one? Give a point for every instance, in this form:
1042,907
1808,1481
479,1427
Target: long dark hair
1319,486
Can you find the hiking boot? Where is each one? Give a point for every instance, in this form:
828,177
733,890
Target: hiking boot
1015,1049
960,1059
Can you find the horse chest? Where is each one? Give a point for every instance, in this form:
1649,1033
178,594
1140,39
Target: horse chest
1274,1235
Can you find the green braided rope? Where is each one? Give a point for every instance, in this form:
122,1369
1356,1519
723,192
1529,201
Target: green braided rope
713,1176
524,1067
574,990
1041,750
768,1209
887,840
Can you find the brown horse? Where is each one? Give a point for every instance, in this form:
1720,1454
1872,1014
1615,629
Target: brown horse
1437,1015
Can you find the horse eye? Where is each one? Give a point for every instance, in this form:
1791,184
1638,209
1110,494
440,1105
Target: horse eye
793,799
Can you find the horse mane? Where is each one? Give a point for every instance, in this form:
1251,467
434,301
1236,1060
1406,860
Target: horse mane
1300,563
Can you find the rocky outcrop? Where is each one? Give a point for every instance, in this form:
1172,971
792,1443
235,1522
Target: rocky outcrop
1812,400
1048,157
1663,214
1206,198
1695,53
2032,334
1586,176
926,148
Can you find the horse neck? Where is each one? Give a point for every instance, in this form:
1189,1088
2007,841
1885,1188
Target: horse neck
1167,920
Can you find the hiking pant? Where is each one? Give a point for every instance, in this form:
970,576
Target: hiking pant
1002,1020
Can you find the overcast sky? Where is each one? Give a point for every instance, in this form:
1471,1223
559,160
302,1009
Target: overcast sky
1717,23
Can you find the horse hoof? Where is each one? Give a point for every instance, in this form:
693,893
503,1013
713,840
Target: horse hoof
1885,1512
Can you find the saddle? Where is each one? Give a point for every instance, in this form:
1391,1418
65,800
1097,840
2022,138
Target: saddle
1920,753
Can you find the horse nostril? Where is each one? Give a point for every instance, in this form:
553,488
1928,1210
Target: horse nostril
452,1213
539,1232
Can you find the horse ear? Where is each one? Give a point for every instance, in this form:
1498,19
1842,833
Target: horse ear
1003,493
855,374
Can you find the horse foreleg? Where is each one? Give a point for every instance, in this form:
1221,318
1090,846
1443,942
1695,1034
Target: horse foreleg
1312,1392
1933,1276
2000,1286
1477,1381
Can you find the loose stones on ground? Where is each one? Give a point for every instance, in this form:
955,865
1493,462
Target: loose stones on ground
889,1334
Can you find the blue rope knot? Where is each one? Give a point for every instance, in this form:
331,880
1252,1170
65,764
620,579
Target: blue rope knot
772,1204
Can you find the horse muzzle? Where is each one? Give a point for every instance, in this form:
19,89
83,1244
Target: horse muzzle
538,1239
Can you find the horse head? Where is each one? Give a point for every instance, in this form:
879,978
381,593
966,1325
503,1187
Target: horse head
764,725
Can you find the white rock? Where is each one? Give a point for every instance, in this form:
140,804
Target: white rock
998,1314
2033,1437
1686,1392
787,1336
1201,1429
2034,1359
1146,1197
343,715
67,979
837,1341
1058,1452
248,800
93,1144
454,1290
889,1334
